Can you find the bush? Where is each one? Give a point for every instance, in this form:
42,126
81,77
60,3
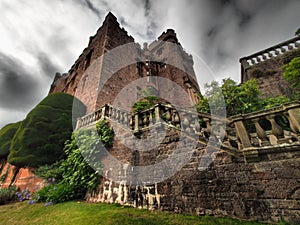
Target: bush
6,135
51,173
40,138
76,174
56,193
8,195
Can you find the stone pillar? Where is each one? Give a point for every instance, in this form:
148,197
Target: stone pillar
242,134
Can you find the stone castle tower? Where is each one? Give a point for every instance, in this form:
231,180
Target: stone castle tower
113,61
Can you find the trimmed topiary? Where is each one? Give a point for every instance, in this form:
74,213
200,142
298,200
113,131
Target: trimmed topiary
40,138
6,135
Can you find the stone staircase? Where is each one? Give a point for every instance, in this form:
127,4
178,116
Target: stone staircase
249,137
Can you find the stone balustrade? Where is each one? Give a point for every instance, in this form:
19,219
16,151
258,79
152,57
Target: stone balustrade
269,53
118,115
238,134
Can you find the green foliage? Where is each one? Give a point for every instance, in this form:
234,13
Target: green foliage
297,33
75,175
8,195
147,101
40,138
51,173
237,99
105,133
274,101
292,72
76,171
6,135
60,192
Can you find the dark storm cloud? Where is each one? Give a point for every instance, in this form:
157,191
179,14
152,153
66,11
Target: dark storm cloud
93,8
17,86
47,66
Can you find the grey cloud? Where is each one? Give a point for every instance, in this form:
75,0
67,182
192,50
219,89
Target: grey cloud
18,88
47,66
91,6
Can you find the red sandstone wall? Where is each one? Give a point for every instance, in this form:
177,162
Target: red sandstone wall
97,78
22,178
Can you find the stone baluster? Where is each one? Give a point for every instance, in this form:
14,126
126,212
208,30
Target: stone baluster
297,44
140,120
264,56
253,61
78,124
125,119
121,117
103,112
294,118
208,126
176,119
242,134
276,129
292,125
261,133
145,119
113,113
168,116
187,123
157,113
290,47
136,123
283,50
150,116
270,55
131,123
258,59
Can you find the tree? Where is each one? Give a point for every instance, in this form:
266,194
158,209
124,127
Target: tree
297,33
291,72
237,99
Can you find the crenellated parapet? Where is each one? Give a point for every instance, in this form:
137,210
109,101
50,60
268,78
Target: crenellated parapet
269,53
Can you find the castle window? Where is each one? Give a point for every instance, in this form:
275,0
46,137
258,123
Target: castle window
88,59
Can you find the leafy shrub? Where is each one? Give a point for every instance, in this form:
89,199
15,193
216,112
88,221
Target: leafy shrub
6,135
238,99
51,173
40,138
292,72
145,103
8,195
56,193
75,172
105,133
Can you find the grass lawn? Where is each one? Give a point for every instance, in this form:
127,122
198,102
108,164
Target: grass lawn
100,213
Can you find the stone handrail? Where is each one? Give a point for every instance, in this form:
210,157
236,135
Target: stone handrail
271,52
107,111
266,128
258,130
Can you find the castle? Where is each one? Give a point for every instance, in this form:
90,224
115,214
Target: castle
113,60
233,166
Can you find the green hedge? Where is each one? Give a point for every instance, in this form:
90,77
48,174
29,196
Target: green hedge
6,135
40,137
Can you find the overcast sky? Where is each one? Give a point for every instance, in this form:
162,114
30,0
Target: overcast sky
41,37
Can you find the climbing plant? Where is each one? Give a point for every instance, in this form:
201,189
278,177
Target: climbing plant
77,174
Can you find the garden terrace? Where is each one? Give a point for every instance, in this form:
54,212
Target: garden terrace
247,137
